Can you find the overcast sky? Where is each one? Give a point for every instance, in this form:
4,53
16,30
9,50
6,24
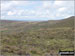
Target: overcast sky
36,10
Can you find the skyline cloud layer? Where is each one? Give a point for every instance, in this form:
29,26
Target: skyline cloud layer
36,10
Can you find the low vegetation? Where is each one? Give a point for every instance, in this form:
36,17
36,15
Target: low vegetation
36,38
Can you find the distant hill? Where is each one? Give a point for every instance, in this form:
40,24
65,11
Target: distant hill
68,22
36,38
15,25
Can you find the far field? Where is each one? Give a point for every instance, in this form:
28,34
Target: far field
36,38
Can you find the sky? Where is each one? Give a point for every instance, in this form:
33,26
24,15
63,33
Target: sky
36,10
